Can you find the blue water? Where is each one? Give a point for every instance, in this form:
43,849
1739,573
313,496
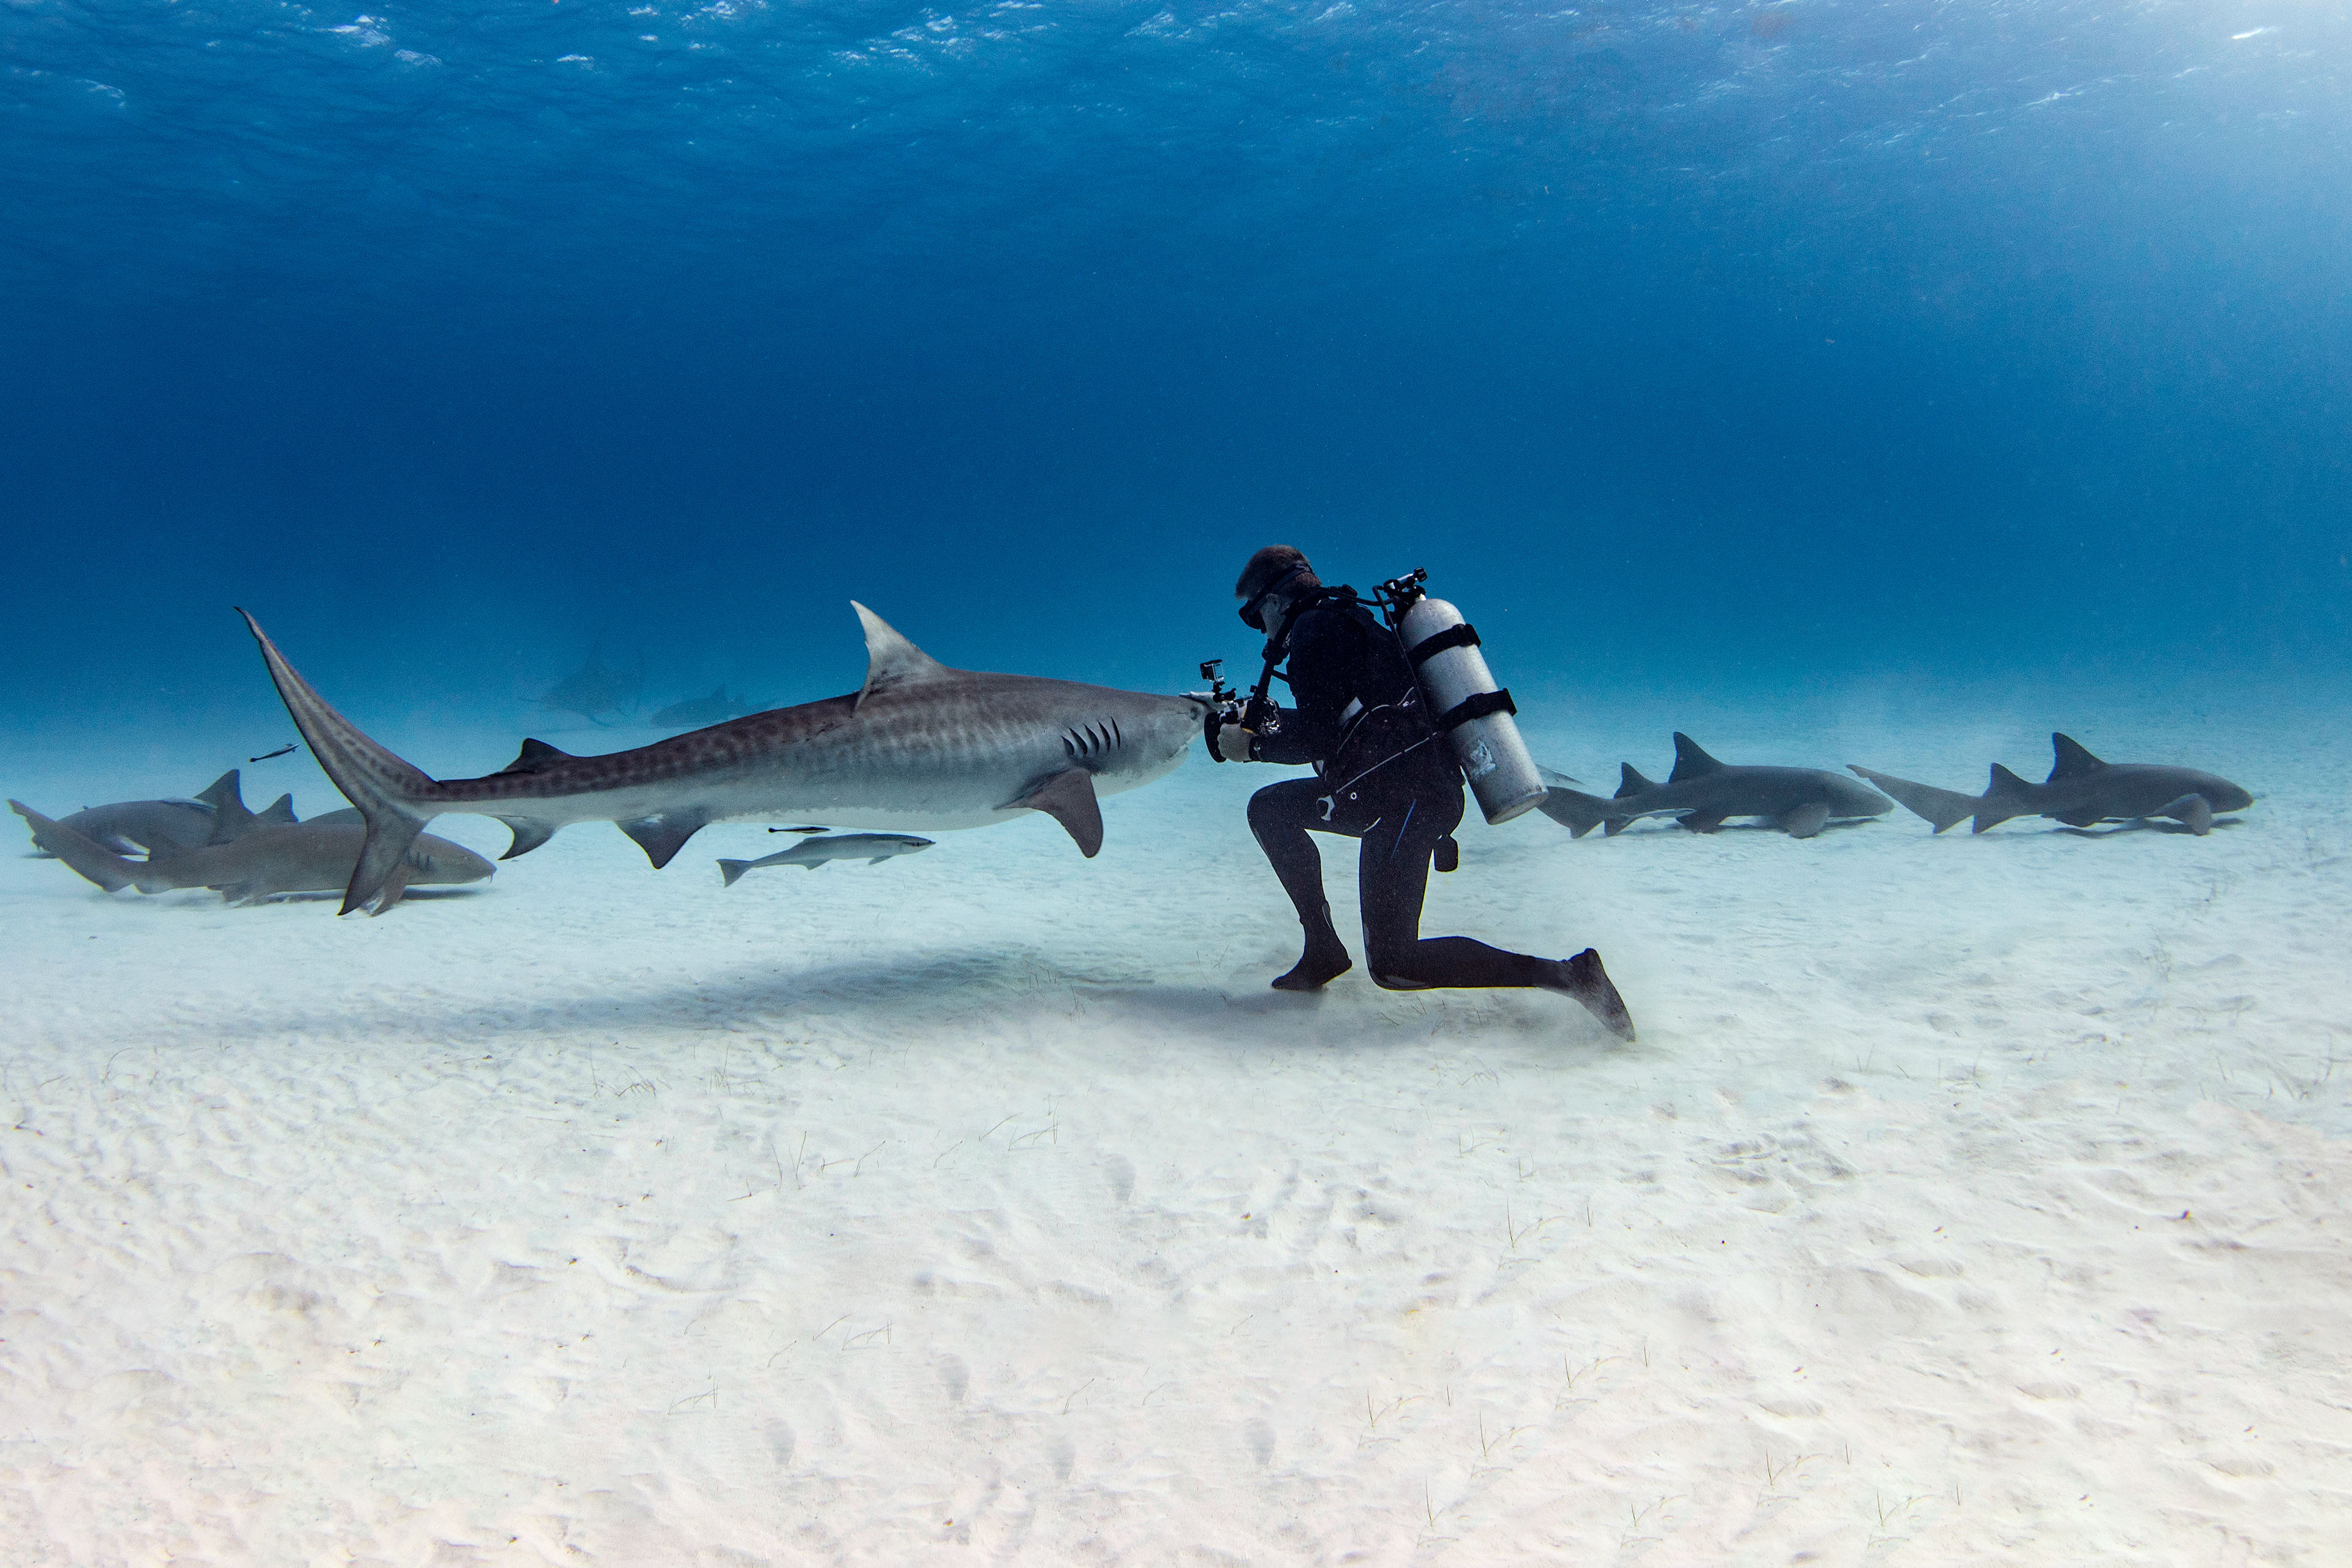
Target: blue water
1705,348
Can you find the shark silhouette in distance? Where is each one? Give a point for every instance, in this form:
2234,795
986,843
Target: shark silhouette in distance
259,863
871,848
918,746
699,710
1702,793
215,817
2081,790
596,688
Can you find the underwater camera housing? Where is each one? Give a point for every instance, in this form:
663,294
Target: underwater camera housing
1465,705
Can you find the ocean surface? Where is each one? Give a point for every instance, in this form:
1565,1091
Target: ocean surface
1887,383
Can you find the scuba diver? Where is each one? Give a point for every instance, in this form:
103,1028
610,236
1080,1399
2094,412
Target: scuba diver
1384,777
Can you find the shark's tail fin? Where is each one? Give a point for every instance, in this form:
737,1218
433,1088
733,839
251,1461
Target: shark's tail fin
1942,807
93,860
2005,795
731,870
397,798
1573,809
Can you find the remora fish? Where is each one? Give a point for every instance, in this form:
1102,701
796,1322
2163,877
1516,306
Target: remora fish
871,848
131,827
294,858
2081,790
919,745
1702,792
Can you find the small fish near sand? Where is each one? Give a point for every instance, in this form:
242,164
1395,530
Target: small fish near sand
2081,790
1702,793
134,827
871,848
715,709
290,857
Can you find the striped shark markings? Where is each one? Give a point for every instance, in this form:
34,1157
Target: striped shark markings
918,746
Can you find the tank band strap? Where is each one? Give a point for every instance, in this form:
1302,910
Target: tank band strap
1477,705
1429,648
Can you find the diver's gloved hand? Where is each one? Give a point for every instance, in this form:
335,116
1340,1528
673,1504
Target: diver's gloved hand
1233,742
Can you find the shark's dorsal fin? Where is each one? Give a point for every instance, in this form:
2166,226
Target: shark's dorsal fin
1690,762
2072,761
231,820
535,756
278,813
2003,781
1633,783
891,661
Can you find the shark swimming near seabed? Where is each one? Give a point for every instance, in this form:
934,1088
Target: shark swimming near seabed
134,826
1702,793
2081,790
871,848
917,745
286,858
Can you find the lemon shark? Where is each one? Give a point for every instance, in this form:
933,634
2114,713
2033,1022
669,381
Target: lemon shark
266,858
918,746
2081,790
1701,793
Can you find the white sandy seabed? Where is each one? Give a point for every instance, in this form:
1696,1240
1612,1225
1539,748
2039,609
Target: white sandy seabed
1964,1201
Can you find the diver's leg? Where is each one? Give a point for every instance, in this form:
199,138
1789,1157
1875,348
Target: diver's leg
1393,874
1278,815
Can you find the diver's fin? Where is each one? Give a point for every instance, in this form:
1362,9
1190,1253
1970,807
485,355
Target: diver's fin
1631,782
1068,797
2072,760
1941,808
535,756
661,838
891,661
529,832
1803,821
2193,809
94,862
1690,762
393,796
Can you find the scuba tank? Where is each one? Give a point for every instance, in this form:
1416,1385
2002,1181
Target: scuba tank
1465,705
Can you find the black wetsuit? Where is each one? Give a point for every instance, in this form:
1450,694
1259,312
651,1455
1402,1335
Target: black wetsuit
1340,655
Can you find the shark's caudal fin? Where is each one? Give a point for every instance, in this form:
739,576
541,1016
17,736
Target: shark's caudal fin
2070,760
91,859
1572,808
731,870
2005,795
1690,762
395,798
1941,808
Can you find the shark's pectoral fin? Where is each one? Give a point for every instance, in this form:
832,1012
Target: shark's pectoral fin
2193,809
1068,797
661,838
1803,821
529,832
2081,818
1700,821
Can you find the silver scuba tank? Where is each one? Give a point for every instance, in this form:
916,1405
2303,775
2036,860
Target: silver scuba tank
1469,709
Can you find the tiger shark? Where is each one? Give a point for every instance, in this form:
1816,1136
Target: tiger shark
918,746
2081,790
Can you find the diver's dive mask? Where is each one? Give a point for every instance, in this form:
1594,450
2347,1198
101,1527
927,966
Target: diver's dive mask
1253,614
